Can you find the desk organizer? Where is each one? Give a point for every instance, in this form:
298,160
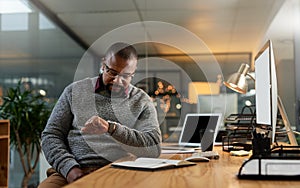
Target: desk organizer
237,141
283,163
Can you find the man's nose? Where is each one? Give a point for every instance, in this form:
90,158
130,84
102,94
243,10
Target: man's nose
118,79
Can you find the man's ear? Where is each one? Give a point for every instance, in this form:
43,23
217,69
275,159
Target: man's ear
101,69
102,66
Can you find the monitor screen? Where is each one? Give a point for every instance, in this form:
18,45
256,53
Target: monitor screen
266,88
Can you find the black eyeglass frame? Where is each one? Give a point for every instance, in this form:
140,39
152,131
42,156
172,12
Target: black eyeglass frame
113,73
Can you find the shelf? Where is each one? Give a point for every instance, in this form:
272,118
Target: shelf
4,137
4,155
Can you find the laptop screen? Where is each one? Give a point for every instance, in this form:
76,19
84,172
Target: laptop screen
200,130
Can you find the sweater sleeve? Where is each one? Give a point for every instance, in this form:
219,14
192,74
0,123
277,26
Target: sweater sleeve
54,136
145,139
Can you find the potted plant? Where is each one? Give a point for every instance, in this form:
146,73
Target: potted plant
28,113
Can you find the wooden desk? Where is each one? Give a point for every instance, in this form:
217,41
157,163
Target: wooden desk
219,173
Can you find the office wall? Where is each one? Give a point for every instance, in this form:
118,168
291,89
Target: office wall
297,65
283,31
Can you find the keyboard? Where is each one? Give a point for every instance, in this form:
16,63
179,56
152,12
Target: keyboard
207,154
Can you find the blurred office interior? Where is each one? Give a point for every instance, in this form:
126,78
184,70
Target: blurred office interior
186,48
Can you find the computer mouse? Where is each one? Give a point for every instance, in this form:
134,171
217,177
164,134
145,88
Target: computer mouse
197,159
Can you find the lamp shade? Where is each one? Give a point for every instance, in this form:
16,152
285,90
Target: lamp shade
237,81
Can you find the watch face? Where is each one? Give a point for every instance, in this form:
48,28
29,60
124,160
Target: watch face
111,127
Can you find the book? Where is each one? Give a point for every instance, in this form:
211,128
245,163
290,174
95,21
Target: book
152,164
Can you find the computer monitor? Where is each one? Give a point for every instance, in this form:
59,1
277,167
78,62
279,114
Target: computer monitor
267,99
266,88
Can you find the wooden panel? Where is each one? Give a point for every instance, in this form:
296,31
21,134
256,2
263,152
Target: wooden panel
4,154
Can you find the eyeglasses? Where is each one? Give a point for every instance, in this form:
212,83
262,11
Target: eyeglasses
112,73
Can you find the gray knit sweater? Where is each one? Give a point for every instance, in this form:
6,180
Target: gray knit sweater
65,146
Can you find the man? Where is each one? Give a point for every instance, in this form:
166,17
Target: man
100,120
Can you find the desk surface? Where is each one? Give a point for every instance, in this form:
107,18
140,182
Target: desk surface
213,174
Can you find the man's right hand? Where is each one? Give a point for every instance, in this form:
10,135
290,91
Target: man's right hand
74,174
95,125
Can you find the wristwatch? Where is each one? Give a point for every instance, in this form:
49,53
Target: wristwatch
111,126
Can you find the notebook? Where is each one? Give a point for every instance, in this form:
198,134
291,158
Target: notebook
199,130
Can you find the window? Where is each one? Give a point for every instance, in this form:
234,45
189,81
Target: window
14,15
14,22
44,23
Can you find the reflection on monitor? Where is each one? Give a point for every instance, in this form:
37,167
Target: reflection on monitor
224,103
266,88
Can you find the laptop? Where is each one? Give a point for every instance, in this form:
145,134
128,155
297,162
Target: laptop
199,130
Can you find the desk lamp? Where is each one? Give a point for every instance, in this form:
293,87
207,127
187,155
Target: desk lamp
237,81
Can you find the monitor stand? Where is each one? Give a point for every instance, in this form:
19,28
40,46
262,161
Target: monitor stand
286,122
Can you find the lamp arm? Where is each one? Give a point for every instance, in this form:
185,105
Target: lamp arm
296,132
251,77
